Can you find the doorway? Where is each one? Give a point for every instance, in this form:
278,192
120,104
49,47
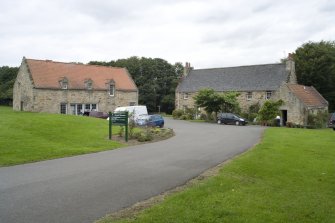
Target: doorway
284,117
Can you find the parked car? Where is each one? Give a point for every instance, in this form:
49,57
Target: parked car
150,120
135,111
155,121
229,118
331,122
97,114
142,120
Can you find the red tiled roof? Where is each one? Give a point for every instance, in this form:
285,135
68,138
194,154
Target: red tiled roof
47,74
308,95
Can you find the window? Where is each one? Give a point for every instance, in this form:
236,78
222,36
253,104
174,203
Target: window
268,95
132,103
79,109
63,108
63,83
249,96
111,89
185,96
89,84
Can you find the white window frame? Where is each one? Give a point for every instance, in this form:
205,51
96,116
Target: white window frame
61,109
268,95
111,89
249,96
64,83
185,96
80,108
89,85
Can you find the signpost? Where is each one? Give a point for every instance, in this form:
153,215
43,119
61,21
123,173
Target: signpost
118,118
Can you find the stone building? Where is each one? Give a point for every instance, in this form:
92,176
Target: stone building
255,83
70,88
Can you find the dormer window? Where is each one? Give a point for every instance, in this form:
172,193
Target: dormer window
111,88
89,84
64,83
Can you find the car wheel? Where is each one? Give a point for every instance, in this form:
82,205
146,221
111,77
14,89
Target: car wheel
219,121
237,123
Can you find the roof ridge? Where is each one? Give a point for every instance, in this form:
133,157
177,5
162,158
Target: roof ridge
74,63
216,68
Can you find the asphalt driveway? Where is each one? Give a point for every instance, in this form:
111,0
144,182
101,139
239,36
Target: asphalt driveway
85,188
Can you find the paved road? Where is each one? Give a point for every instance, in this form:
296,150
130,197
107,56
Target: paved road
85,188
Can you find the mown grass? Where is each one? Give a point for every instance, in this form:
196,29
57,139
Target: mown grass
28,137
288,177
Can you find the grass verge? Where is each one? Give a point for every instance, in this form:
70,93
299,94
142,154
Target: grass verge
288,177
28,137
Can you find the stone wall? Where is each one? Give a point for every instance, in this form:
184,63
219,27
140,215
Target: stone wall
23,90
257,97
48,100
296,111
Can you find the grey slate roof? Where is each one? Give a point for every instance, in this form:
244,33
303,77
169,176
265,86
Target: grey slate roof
244,78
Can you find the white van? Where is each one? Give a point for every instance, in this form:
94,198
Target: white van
136,111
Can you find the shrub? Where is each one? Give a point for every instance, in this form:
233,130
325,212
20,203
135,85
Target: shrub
183,117
203,116
191,113
121,131
289,124
318,120
176,114
144,136
131,128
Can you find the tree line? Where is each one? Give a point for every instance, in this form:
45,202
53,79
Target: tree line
156,80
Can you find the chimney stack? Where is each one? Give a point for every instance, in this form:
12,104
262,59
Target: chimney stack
187,68
290,68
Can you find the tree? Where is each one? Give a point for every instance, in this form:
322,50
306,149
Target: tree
7,79
156,80
269,111
230,103
215,102
315,66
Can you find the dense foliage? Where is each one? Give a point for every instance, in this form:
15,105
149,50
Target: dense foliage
7,79
215,102
268,111
315,66
156,80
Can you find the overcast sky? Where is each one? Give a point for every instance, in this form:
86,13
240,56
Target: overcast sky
209,33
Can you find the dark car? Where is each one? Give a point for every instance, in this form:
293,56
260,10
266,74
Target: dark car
331,122
155,120
229,118
98,114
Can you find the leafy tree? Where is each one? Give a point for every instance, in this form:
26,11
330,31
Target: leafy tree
230,103
269,111
315,66
7,79
156,80
213,101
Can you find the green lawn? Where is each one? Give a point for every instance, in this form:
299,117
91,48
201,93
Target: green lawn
28,137
289,177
